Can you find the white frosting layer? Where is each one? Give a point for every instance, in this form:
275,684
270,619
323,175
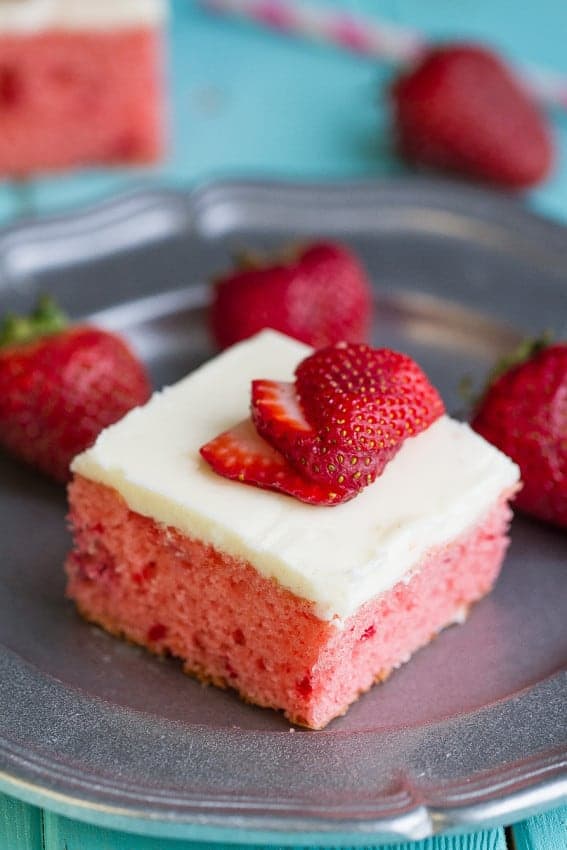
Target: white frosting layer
439,484
29,16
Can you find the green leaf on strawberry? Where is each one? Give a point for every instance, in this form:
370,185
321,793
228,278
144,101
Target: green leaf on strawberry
60,385
46,318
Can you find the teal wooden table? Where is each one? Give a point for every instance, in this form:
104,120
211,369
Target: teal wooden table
247,103
27,828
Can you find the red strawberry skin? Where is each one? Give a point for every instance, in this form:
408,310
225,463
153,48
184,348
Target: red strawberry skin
524,413
242,455
331,433
354,406
319,297
462,110
279,419
59,392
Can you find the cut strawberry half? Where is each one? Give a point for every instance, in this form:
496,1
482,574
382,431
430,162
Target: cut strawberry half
348,414
332,433
366,398
279,419
240,454
278,416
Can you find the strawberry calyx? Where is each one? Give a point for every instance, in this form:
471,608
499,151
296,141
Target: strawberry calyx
528,348
45,319
248,259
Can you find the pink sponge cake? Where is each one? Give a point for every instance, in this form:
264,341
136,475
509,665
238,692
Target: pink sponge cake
296,606
80,83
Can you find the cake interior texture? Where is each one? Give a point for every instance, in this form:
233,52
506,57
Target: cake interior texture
234,627
69,98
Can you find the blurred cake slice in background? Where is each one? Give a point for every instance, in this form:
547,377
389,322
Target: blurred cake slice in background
81,83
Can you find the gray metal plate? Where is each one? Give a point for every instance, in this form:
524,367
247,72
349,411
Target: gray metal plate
471,732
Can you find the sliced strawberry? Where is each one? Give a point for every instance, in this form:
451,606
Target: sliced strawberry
240,454
279,419
372,398
354,409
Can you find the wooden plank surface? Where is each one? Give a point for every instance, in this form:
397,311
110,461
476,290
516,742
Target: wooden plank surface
20,825
63,834
24,827
546,832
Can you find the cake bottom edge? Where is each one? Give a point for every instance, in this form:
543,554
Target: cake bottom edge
234,628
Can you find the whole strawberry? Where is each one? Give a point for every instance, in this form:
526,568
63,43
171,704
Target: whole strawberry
460,109
524,413
60,386
319,296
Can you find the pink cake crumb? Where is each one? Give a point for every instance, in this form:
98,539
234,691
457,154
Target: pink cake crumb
233,627
75,98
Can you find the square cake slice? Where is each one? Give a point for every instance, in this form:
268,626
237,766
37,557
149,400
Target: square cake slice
298,607
80,83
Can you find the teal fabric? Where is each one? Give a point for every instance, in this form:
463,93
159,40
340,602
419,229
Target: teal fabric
249,103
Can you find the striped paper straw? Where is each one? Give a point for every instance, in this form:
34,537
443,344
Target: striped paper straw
367,37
